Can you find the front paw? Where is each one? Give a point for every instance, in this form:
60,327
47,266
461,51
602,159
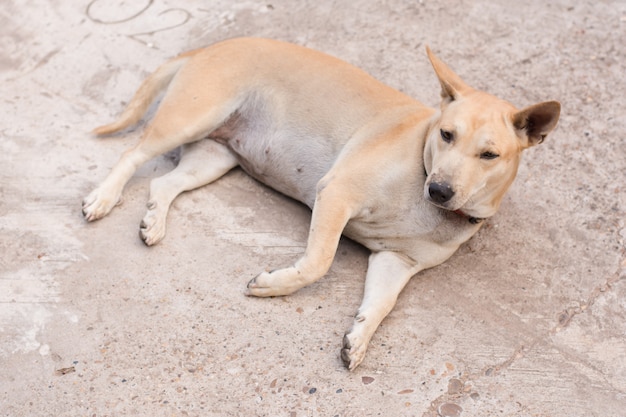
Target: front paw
275,283
353,350
98,204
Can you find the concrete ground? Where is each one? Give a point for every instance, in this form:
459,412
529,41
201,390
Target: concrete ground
527,319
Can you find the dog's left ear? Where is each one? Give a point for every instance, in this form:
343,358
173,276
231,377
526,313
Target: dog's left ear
452,86
536,121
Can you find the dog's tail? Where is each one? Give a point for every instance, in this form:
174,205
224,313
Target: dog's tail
144,96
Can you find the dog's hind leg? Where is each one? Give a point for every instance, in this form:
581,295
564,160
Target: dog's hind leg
108,194
387,275
201,163
175,124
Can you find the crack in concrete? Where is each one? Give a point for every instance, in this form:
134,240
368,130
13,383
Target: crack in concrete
568,314
448,396
564,320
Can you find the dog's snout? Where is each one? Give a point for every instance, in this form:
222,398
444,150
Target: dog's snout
440,193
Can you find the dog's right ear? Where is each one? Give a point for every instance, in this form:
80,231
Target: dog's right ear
452,86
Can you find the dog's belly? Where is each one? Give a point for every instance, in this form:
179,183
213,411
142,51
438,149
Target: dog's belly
290,157
286,160
290,165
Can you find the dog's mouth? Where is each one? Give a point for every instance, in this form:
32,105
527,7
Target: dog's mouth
460,212
442,206
442,195
470,218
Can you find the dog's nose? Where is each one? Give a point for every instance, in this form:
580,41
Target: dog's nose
440,193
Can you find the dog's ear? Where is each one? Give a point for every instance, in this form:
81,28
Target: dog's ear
452,86
536,121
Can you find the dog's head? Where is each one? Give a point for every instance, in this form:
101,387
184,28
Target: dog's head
472,154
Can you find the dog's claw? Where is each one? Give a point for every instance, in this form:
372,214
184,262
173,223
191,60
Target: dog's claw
250,287
152,228
255,289
353,350
96,205
272,284
345,351
89,215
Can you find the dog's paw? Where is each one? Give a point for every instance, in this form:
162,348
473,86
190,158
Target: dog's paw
275,283
152,227
353,350
97,205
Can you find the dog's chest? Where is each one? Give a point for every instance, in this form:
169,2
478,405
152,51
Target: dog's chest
414,228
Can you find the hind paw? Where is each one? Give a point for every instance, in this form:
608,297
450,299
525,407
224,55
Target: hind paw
152,227
97,205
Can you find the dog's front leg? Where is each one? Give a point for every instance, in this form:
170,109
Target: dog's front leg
387,274
331,213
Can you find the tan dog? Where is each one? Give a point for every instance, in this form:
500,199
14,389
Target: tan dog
408,182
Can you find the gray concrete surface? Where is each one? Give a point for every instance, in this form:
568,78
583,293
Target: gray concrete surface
527,319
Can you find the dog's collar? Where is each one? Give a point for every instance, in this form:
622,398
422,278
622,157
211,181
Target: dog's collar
472,220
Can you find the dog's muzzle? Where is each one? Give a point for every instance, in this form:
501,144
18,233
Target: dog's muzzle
440,193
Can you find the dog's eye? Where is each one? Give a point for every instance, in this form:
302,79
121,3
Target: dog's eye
446,136
488,155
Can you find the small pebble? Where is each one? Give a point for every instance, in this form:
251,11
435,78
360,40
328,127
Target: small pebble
367,380
312,390
65,371
455,386
449,410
